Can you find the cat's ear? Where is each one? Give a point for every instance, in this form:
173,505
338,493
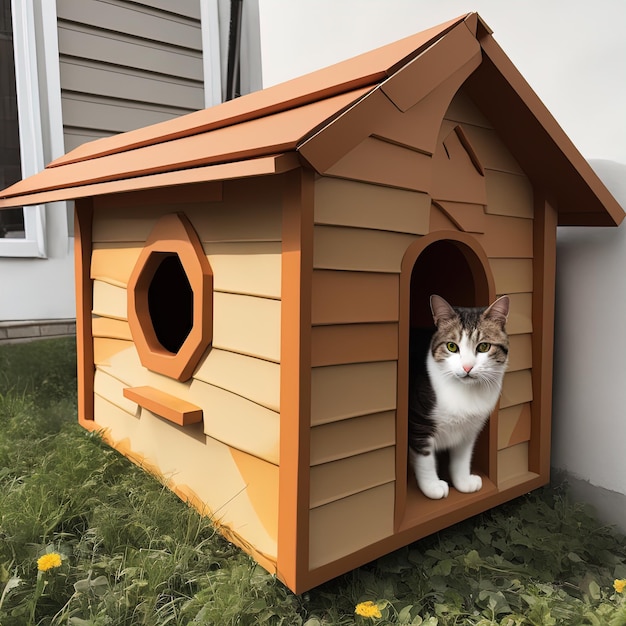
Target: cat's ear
498,310
441,309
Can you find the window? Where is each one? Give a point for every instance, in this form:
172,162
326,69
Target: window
170,299
22,231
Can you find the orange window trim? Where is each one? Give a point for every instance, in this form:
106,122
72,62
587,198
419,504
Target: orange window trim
173,234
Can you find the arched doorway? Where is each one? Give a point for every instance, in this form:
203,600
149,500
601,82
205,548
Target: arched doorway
453,265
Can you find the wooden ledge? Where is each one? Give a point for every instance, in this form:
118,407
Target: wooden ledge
165,405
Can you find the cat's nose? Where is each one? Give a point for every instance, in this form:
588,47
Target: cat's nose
467,368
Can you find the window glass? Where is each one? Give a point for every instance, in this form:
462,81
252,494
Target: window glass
11,220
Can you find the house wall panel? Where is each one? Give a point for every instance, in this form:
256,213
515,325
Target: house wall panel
517,388
255,379
110,328
338,440
520,352
343,391
353,297
213,221
342,202
384,163
359,249
508,238
353,343
512,275
513,425
492,153
247,325
513,462
110,388
462,109
225,488
114,262
127,64
237,422
509,194
345,477
104,349
519,321
356,521
109,300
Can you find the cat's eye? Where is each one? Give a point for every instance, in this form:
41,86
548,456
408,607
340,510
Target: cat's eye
452,347
483,347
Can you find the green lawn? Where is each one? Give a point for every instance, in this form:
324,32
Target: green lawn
132,553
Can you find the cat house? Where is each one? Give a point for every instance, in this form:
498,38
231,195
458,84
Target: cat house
247,277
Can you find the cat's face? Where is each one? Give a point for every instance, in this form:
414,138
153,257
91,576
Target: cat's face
470,345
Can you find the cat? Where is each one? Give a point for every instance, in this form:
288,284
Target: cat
453,389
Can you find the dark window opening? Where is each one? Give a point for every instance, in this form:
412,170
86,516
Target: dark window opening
11,220
170,302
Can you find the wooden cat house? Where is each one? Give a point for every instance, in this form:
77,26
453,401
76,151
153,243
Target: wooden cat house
247,277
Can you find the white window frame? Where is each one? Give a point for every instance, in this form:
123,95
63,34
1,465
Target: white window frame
33,244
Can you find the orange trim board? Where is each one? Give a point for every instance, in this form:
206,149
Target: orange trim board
165,405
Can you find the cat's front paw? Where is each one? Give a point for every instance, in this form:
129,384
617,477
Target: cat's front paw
435,489
469,483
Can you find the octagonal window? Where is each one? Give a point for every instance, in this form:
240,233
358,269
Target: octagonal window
170,299
170,303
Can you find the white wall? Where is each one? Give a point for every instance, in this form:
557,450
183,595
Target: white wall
589,440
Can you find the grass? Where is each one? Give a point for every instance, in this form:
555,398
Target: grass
133,554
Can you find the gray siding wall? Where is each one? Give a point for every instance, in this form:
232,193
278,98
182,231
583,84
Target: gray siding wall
126,64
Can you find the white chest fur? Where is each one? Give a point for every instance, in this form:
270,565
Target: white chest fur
461,409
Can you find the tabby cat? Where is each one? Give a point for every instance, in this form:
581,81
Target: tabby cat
453,389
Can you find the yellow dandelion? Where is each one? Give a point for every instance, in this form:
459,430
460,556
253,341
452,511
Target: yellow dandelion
48,561
368,609
619,584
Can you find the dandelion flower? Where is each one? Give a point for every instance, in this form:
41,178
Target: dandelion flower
368,609
619,584
48,561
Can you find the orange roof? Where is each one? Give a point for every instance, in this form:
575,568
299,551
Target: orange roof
246,136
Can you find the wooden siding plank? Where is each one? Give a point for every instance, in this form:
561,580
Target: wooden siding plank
133,20
112,390
343,391
246,268
345,297
469,218
509,194
113,262
237,422
520,352
356,522
213,221
105,349
114,48
85,76
384,163
507,237
462,109
512,275
358,249
338,440
349,203
111,328
95,116
517,388
109,300
493,154
255,379
345,477
513,425
247,325
519,321
353,343
164,405
512,462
